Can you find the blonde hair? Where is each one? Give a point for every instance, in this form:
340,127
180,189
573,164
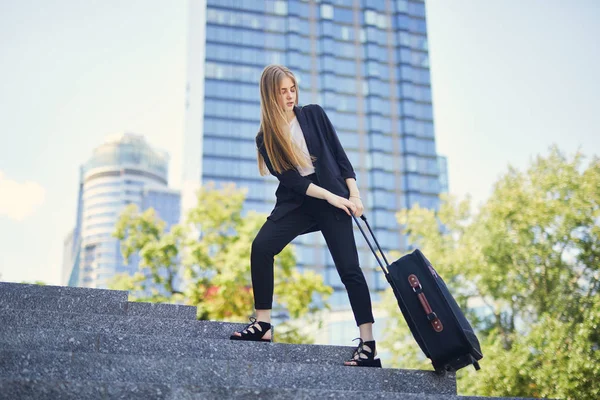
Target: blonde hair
283,153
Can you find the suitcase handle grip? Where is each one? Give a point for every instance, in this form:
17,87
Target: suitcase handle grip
431,316
387,264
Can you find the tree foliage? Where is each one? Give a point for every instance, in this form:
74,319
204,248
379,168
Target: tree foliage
527,265
205,262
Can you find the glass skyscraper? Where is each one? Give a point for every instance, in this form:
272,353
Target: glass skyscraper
365,61
123,170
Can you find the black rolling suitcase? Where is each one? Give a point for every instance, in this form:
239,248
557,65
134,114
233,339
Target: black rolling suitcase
433,316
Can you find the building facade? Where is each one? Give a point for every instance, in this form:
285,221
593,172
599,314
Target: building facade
365,61
443,171
123,170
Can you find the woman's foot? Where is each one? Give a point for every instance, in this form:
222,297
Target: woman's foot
257,331
364,355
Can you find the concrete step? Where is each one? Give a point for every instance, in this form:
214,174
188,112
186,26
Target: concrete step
84,305
249,374
121,324
128,344
48,290
161,310
26,389
69,304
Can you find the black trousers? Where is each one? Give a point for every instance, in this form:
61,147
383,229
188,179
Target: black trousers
336,227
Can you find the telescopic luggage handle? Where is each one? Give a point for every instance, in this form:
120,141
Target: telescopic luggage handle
387,264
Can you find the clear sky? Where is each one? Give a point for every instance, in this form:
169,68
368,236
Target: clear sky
509,79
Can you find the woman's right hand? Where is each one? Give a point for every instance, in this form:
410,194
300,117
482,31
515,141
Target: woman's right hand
341,202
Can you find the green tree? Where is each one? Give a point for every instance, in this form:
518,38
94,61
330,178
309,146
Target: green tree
205,262
530,256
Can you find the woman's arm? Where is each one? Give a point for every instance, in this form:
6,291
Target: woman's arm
338,151
351,183
296,182
318,192
346,168
331,198
355,197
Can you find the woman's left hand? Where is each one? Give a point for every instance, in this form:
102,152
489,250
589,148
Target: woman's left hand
359,206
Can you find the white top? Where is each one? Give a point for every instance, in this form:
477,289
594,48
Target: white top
298,138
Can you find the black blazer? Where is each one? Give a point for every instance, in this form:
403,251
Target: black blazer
331,166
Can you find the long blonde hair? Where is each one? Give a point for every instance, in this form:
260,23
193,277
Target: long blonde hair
283,153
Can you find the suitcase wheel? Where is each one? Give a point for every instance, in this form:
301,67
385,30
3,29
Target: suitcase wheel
441,370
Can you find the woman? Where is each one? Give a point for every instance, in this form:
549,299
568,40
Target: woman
317,191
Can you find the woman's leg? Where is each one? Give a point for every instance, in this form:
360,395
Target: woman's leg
270,241
366,331
336,227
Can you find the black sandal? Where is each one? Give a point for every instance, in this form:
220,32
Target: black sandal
253,333
364,355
